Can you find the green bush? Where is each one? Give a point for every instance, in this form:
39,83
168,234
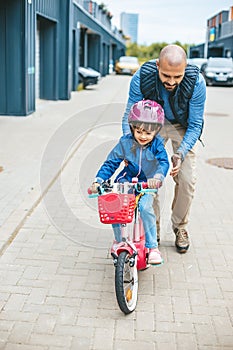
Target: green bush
146,53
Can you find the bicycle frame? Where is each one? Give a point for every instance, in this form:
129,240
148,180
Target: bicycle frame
133,241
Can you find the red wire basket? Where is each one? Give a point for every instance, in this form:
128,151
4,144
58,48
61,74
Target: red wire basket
115,208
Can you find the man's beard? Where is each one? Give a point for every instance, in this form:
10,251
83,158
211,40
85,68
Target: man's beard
170,87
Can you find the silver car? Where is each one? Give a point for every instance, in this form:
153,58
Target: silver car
199,62
219,71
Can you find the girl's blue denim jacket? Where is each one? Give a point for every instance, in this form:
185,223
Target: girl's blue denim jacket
142,162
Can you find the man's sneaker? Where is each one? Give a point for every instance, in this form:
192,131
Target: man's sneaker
182,240
154,257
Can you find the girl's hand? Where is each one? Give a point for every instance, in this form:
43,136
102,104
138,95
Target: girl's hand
94,187
154,183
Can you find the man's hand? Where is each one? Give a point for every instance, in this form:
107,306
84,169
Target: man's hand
154,183
176,162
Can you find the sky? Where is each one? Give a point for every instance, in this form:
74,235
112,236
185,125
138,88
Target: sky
169,20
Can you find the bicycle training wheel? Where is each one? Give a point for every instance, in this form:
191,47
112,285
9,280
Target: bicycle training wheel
126,283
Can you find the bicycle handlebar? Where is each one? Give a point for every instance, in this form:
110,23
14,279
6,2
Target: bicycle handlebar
141,187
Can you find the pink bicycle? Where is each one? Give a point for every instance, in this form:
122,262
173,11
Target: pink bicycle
118,204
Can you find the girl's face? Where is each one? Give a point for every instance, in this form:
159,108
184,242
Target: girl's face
142,136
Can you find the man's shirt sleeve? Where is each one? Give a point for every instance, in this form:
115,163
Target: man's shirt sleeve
196,117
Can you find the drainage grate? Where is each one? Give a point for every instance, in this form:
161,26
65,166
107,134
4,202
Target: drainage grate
226,163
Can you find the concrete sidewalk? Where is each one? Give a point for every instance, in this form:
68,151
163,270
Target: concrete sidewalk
57,278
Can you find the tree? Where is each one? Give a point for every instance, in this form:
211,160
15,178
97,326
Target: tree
146,53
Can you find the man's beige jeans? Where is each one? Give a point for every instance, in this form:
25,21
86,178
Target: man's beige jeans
184,182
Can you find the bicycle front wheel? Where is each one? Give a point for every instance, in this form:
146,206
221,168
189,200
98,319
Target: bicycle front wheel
126,283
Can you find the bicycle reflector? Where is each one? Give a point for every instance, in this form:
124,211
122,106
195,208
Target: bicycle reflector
116,208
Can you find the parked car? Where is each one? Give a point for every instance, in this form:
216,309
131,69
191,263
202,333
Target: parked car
199,62
95,71
219,71
88,76
127,65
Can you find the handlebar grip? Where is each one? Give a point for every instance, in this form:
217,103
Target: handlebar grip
143,188
89,191
149,190
144,185
93,195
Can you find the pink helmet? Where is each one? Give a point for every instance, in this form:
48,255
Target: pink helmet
147,111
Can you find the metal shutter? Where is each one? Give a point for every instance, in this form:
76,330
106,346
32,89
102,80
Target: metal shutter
37,61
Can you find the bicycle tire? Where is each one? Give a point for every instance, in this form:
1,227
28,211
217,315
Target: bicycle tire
126,283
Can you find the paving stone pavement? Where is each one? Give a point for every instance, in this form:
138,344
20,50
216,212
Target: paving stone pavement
57,277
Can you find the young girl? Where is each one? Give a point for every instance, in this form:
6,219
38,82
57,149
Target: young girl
146,159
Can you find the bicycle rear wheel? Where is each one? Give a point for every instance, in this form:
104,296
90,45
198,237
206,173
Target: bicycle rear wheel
126,283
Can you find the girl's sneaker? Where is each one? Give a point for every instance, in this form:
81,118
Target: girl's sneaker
154,257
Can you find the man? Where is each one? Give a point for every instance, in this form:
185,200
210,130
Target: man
181,90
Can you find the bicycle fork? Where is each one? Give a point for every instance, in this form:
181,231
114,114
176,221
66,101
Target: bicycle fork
125,245
132,230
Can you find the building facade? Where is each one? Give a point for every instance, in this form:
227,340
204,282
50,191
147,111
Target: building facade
219,37
129,26
42,44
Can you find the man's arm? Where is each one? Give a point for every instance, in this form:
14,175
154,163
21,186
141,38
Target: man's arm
196,118
135,95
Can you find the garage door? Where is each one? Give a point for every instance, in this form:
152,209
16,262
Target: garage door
37,63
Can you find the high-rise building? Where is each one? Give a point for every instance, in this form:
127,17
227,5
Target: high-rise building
129,25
